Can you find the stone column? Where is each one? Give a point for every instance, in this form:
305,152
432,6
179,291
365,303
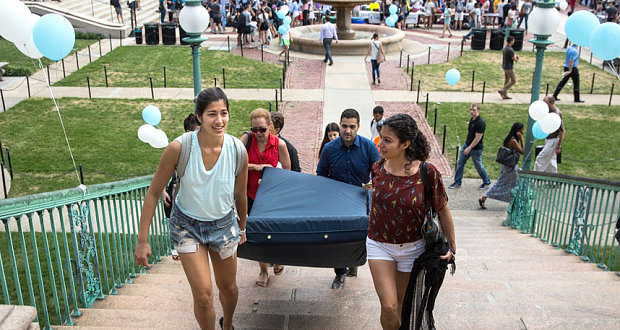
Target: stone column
343,22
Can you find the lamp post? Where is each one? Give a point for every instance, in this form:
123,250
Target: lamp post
194,19
543,21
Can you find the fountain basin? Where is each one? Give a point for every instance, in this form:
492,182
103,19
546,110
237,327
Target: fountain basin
306,39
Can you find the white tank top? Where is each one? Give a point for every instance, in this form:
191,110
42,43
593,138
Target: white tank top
208,195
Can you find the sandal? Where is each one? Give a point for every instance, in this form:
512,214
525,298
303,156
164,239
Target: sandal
222,323
278,269
481,202
261,283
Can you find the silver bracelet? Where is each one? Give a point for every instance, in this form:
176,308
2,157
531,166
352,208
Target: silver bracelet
241,232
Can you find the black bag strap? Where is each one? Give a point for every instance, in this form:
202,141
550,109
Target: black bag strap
428,193
249,142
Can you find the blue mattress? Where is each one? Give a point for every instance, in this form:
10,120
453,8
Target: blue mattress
307,220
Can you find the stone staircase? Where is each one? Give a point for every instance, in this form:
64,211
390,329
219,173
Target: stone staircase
504,280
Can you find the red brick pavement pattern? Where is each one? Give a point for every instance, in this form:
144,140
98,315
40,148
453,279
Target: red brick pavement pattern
392,77
415,111
302,127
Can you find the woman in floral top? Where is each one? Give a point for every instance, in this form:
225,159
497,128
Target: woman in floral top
394,230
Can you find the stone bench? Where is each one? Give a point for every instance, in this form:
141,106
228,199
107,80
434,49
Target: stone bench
18,317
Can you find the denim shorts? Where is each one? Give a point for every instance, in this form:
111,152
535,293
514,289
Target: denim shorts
221,235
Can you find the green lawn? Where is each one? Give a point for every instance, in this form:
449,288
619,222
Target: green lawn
102,133
20,62
131,66
590,142
488,67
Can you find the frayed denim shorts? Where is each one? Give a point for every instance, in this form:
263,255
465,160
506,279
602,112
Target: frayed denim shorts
221,235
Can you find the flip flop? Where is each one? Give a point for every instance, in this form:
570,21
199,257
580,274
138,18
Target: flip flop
264,283
481,202
278,269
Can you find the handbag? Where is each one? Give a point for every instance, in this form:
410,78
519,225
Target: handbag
431,228
507,157
380,55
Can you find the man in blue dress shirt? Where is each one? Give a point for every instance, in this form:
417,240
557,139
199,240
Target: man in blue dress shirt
349,159
570,71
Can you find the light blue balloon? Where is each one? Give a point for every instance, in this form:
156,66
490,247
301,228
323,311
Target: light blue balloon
579,25
287,20
390,21
283,29
393,9
538,132
54,37
453,76
151,115
280,14
605,41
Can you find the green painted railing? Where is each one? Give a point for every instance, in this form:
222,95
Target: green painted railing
575,214
62,250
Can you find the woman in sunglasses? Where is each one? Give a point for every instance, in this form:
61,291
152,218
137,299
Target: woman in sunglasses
265,149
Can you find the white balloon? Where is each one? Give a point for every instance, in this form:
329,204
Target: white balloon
538,110
28,47
551,122
15,21
146,132
284,9
159,139
563,4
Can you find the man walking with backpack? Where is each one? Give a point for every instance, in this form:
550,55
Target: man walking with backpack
277,118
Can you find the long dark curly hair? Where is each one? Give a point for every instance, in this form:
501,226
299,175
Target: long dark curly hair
406,129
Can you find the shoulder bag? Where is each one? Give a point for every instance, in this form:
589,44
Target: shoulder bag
507,156
431,228
380,55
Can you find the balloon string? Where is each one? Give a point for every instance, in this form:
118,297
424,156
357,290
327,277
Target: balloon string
613,69
47,81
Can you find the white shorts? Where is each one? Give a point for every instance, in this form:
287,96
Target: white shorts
404,254
458,16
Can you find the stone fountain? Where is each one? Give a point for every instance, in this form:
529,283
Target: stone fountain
353,38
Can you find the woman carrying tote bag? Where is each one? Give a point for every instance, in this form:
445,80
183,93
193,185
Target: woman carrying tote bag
377,56
507,175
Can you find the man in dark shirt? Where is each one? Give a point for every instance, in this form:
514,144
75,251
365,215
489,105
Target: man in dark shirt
349,159
472,148
216,16
612,12
278,123
508,60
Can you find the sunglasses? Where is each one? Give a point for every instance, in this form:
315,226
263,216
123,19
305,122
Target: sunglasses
259,129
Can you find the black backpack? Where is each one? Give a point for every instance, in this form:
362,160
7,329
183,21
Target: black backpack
292,152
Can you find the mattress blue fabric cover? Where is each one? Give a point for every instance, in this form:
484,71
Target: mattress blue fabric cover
298,208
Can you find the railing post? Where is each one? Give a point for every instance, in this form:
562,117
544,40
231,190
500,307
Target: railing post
443,145
3,105
105,73
224,77
242,42
214,81
269,106
81,174
228,43
280,89
400,61
1,152
77,60
261,53
407,64
417,100
8,159
484,87
456,161
462,42
473,78
426,107
276,100
100,51
152,94
411,82
448,57
88,83
547,90
590,57
110,38
6,193
429,55
64,74
592,85
90,58
435,122
165,80
611,94
28,85
49,79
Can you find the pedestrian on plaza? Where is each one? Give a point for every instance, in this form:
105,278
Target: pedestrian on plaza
612,12
216,17
306,12
118,9
285,41
429,13
447,17
263,27
265,149
508,59
377,56
277,118
473,148
547,160
570,71
332,132
348,159
162,10
524,13
203,225
377,119
328,34
170,8
398,211
295,9
458,15
508,176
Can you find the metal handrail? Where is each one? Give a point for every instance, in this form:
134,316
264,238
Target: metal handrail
60,251
572,213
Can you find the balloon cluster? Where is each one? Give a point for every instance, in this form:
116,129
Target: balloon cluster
453,76
584,29
51,36
286,20
147,133
546,122
393,18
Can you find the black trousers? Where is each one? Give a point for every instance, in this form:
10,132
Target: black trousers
574,75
